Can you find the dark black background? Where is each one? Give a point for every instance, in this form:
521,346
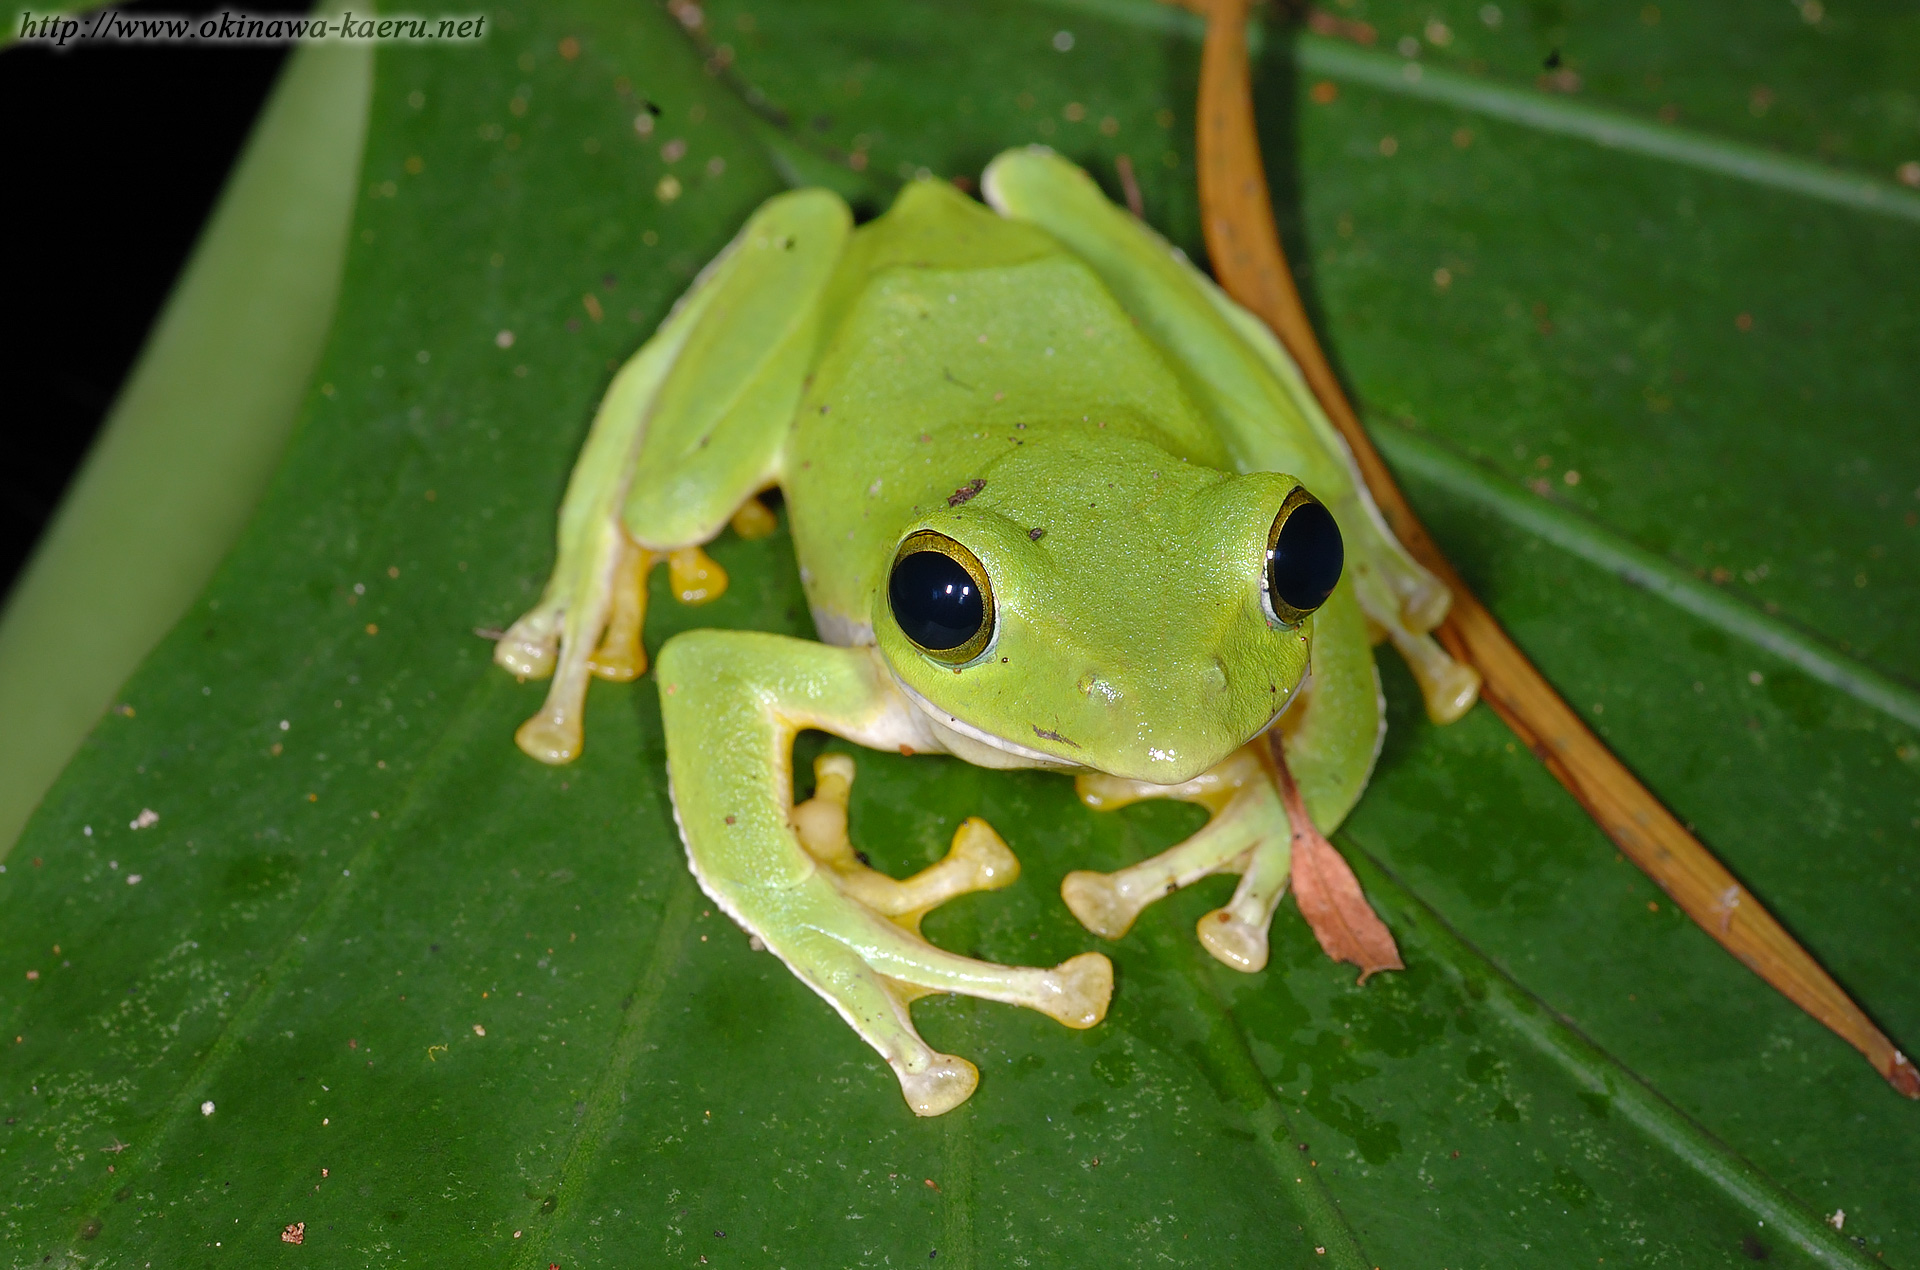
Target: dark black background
117,154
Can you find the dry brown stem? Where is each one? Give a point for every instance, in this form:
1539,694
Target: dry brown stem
1244,248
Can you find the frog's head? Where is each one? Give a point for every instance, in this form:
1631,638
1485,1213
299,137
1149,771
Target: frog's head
1108,605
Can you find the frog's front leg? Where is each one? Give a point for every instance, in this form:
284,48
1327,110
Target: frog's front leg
1248,834
978,859
732,702
1260,829
1270,801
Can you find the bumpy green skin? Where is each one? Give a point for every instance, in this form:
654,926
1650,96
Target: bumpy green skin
1055,389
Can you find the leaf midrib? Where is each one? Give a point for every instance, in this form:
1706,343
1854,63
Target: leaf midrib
603,1102
1596,1070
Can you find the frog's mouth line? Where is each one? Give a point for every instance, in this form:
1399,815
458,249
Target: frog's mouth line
953,723
1293,698
942,718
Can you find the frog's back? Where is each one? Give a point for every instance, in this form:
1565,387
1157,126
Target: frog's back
953,332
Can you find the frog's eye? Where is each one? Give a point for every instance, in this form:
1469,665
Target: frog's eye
1304,556
941,597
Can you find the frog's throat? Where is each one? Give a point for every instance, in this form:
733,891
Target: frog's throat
975,745
843,632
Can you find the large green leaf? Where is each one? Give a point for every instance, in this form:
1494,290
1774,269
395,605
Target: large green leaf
382,975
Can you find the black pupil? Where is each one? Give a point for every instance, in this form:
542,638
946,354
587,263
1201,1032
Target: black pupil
1306,558
935,601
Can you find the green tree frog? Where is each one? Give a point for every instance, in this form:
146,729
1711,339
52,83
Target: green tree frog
1059,503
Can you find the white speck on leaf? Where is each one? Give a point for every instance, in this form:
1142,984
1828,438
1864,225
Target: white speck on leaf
206,1108
147,817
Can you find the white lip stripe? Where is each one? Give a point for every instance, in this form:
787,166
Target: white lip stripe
953,723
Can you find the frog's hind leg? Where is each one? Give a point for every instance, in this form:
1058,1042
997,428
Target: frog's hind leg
1448,687
1246,382
694,577
753,519
621,657
690,430
599,575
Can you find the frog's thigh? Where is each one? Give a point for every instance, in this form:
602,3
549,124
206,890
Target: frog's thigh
732,702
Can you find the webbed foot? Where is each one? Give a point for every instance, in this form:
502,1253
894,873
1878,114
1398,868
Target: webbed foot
600,602
940,1086
527,649
696,578
621,657
1259,829
1448,687
1075,992
978,859
1247,835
